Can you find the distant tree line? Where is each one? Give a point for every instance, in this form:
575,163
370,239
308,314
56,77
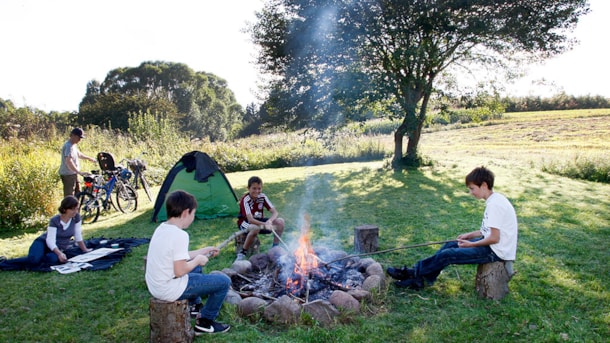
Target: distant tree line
27,122
560,101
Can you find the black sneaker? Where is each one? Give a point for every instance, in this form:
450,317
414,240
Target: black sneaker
414,284
403,273
195,309
209,326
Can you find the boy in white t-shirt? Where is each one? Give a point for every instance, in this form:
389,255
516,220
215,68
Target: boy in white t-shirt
174,273
496,240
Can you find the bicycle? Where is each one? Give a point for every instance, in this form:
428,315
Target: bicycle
138,166
98,191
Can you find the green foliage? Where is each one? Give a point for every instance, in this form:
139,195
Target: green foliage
199,103
318,84
463,116
29,188
294,149
30,123
559,101
155,139
374,127
595,168
113,110
148,127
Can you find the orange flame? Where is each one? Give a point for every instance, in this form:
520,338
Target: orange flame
305,260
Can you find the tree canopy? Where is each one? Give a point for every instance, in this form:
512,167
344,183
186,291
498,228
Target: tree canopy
199,102
337,59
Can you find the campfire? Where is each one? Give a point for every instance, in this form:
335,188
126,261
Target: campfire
305,277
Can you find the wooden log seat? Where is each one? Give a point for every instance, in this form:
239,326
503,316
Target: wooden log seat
492,279
170,322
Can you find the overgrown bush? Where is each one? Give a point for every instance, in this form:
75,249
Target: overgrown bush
374,127
29,188
281,150
463,116
591,168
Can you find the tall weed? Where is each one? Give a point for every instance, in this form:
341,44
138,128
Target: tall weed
29,188
590,168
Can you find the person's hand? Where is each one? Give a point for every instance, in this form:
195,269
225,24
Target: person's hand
269,225
465,236
201,260
88,250
464,243
211,251
62,258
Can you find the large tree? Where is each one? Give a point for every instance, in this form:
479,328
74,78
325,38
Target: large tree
199,102
333,58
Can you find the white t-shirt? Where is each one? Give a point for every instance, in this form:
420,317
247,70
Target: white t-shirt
169,243
500,214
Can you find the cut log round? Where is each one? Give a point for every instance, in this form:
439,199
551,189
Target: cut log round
366,238
170,321
492,279
254,248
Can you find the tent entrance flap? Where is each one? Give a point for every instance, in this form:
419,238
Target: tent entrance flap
198,174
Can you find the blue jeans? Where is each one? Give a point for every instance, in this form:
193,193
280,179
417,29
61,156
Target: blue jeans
40,253
215,286
429,268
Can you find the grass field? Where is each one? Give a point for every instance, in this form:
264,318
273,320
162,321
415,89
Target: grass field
560,292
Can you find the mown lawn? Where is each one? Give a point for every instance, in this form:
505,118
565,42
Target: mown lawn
560,292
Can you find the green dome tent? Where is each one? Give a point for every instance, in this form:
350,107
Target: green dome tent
198,174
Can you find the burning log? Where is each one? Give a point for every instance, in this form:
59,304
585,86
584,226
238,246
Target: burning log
297,279
335,285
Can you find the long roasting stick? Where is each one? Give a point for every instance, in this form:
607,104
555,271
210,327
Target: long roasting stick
279,238
388,250
231,238
235,234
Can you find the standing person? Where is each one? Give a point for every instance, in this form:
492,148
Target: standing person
49,248
70,165
496,240
174,273
251,207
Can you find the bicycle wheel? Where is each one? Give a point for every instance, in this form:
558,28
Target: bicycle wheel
126,198
89,207
146,187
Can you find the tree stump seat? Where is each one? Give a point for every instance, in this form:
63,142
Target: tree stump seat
366,238
492,279
170,321
254,248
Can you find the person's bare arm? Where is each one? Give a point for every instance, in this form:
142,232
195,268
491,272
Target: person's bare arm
183,267
71,164
493,238
207,251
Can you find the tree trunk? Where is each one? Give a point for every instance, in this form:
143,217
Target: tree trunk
398,136
410,127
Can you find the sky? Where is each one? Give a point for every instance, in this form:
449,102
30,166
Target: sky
52,49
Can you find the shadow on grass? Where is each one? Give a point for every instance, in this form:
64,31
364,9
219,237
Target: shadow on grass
561,286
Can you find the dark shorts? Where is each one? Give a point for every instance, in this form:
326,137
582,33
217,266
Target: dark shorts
244,226
71,184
